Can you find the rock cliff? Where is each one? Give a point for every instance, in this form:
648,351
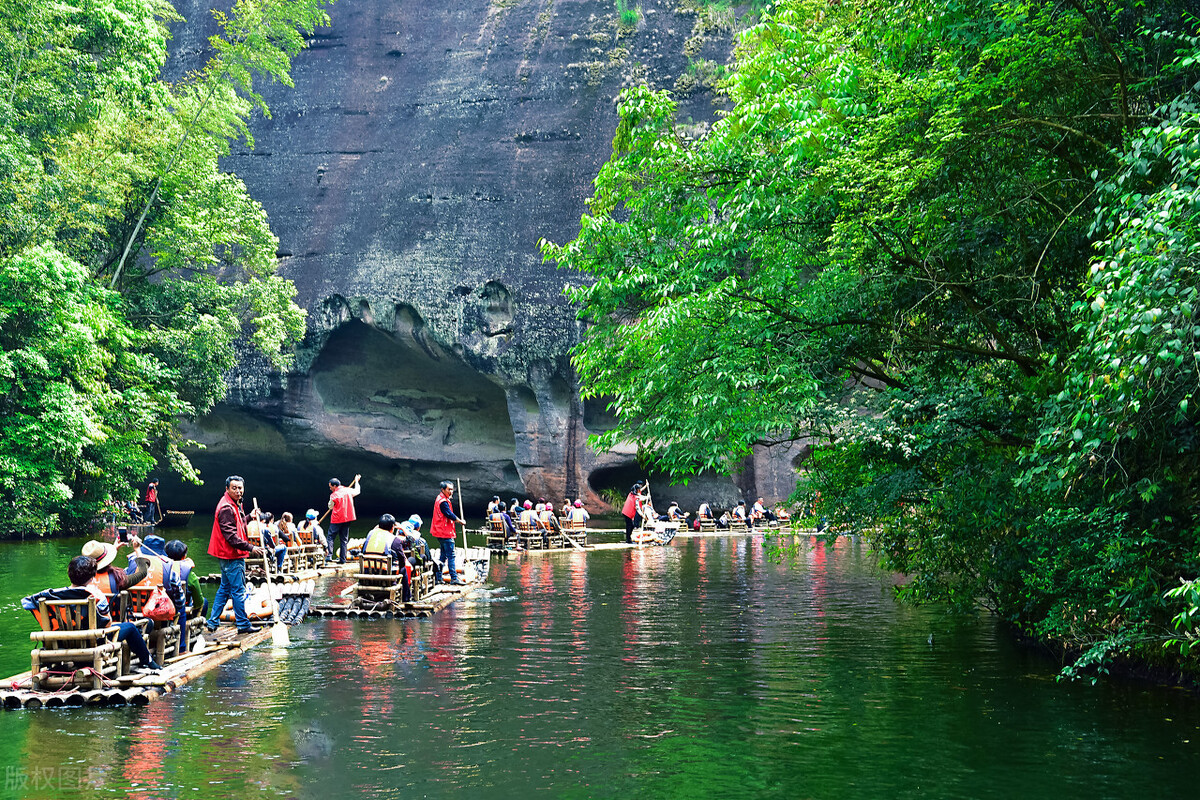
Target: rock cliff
424,151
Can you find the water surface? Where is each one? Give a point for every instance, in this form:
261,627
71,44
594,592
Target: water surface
697,670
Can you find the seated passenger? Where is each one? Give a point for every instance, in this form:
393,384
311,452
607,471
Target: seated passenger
578,514
111,582
312,527
491,506
739,512
704,512
82,573
549,520
676,514
500,516
162,571
725,521
272,539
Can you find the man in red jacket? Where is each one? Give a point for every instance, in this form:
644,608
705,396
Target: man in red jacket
442,528
229,544
341,503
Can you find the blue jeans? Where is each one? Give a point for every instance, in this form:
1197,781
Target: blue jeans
137,645
280,555
233,586
447,559
339,535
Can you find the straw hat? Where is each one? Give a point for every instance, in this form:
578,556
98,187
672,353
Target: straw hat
103,552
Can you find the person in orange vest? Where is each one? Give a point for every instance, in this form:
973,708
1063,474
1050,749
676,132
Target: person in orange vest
442,528
229,544
82,572
341,503
111,582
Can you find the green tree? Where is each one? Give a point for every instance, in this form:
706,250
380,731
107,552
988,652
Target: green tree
882,246
110,183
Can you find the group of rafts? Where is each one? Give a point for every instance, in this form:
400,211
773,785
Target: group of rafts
77,663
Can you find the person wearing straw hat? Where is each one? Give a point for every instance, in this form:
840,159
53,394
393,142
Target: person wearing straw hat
111,582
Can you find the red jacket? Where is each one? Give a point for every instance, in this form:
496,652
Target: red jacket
441,526
343,505
231,542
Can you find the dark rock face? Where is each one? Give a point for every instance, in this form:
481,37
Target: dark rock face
409,175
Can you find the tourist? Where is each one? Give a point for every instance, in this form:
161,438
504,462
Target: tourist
759,513
415,544
739,512
341,503
195,604
676,514
549,523
82,573
111,582
150,514
782,513
491,506
704,512
274,540
443,529
311,528
631,508
162,570
725,521
578,514
229,545
500,515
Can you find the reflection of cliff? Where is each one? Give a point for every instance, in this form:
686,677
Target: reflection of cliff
424,151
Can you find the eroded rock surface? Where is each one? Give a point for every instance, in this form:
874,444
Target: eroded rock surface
424,151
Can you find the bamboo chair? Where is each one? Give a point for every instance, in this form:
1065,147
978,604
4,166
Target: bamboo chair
708,525
70,638
575,530
530,535
497,539
377,580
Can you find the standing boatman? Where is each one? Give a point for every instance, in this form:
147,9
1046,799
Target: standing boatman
442,528
341,503
151,514
229,544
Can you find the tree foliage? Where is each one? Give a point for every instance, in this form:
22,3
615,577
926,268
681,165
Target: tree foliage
953,245
133,265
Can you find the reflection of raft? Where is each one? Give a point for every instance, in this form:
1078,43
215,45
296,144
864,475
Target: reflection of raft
175,519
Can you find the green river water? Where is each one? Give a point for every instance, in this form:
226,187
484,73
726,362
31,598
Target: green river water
692,671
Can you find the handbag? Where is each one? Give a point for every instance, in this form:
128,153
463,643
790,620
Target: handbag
158,606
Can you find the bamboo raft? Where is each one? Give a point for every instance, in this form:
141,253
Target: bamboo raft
441,596
136,690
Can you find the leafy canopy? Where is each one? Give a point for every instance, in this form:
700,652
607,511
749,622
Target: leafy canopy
886,246
134,267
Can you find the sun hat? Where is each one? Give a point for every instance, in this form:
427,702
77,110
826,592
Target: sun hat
103,552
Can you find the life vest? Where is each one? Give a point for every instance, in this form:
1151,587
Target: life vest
378,543
704,512
343,505
105,582
217,546
163,572
441,526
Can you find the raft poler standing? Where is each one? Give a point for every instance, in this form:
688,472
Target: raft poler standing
229,544
630,510
341,503
151,514
442,528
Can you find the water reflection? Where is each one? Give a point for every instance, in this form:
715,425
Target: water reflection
697,670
